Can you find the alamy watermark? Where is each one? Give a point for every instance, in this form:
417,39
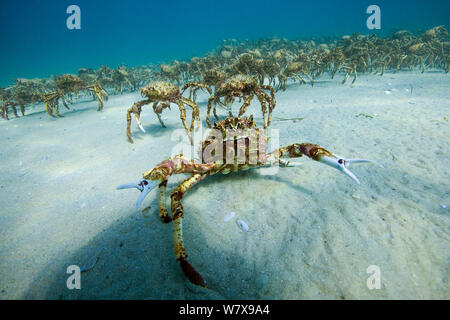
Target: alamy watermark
73,22
232,146
374,280
374,20
74,280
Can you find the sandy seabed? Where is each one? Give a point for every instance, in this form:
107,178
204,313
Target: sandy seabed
313,232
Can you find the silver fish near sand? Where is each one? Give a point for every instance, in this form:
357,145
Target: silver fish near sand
242,225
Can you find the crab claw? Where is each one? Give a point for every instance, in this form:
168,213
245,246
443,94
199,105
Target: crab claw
140,126
342,164
144,186
138,121
130,185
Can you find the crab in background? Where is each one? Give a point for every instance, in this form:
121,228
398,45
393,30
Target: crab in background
22,93
162,94
123,78
7,102
243,87
67,86
27,92
436,32
296,71
221,155
193,88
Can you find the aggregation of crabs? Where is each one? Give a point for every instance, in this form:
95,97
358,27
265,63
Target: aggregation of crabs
268,62
237,71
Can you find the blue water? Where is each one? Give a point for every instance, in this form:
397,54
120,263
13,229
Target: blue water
35,41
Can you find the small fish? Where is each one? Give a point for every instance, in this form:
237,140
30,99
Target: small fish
242,225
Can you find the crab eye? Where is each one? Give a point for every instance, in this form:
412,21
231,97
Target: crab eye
144,182
340,161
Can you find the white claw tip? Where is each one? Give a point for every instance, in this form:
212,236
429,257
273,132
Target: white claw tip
142,128
342,165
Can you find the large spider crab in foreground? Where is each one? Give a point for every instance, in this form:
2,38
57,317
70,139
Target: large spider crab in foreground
162,94
243,87
222,155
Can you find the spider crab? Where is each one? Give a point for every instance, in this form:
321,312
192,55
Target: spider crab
220,154
245,87
6,102
193,88
162,94
22,93
68,85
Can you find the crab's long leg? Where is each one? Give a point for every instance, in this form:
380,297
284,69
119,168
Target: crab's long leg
279,85
284,83
56,112
137,115
99,98
4,112
103,93
47,108
346,75
129,83
195,112
262,100
14,110
53,110
193,88
190,92
201,86
163,214
349,71
129,111
65,102
247,102
188,85
355,73
185,101
49,101
215,111
183,120
272,104
99,93
136,110
178,213
208,110
309,77
54,106
155,104
271,101
300,79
